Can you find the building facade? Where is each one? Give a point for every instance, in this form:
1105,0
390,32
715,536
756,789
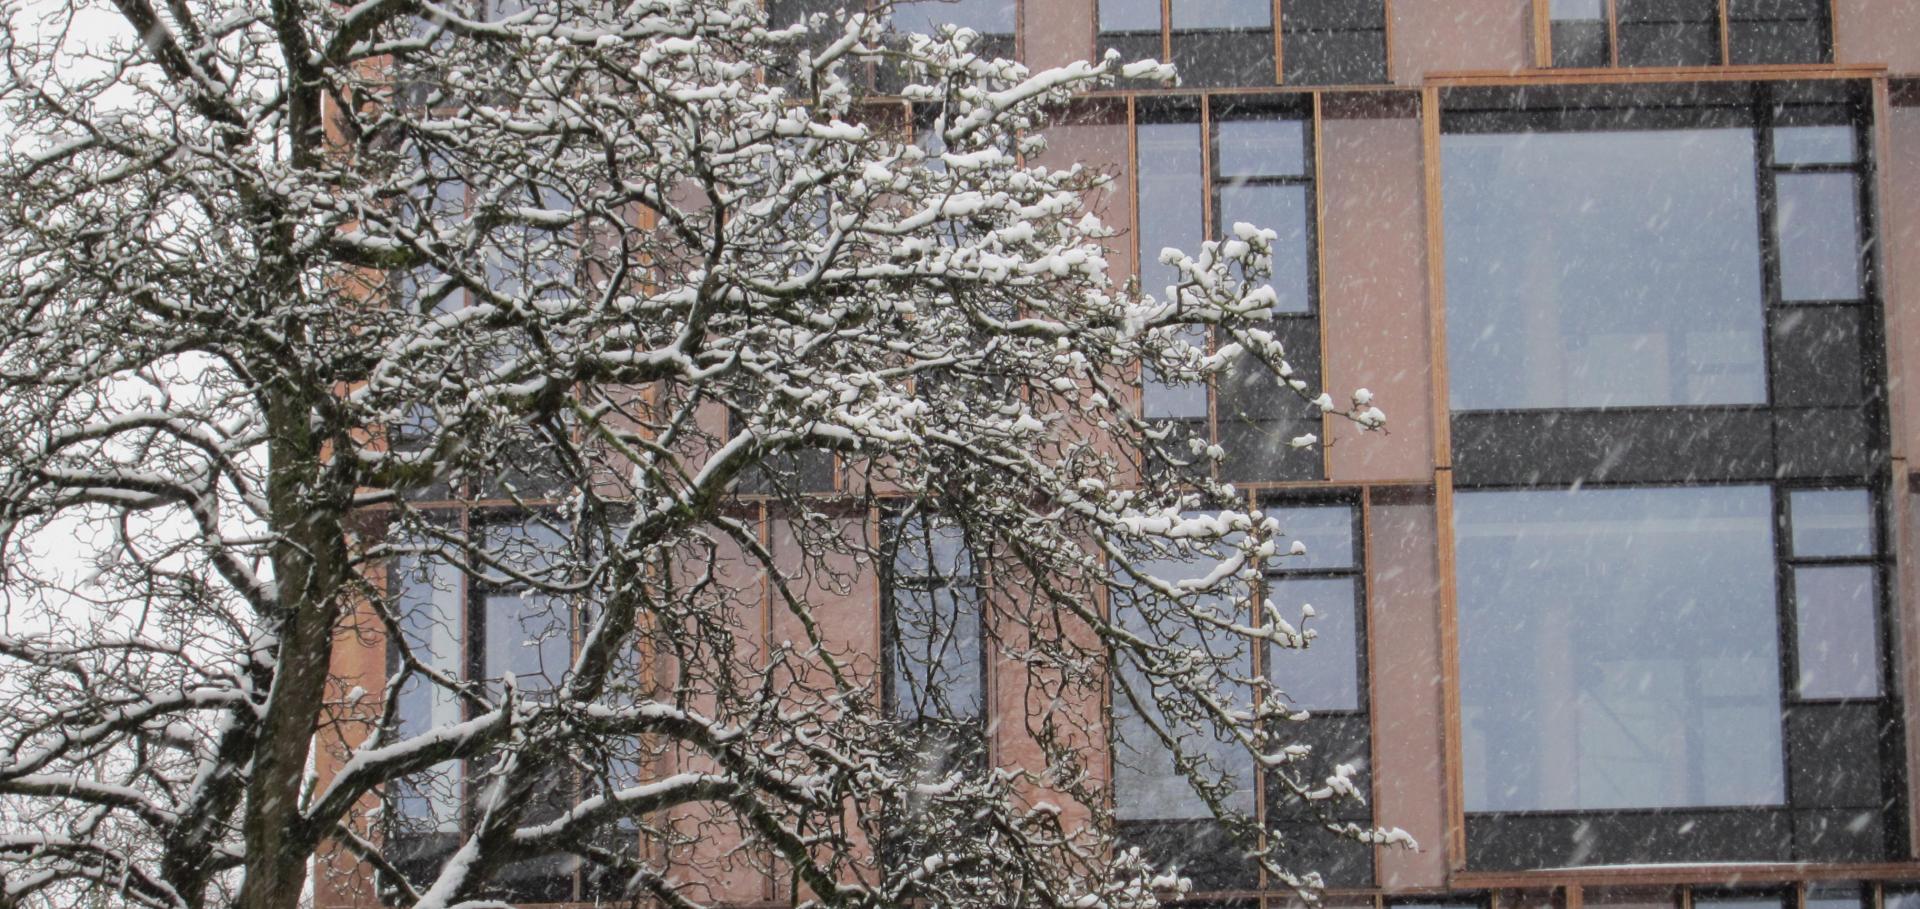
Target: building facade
1622,610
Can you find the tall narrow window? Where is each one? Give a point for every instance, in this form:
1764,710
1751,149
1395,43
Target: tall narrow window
481,626
1154,798
1321,589
934,638
1256,167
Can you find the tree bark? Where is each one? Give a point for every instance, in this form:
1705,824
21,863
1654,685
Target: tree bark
309,560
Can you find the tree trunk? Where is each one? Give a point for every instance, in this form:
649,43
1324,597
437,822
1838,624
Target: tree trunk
308,558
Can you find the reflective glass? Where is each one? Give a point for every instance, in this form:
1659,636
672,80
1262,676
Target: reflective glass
1325,675
1836,620
938,647
1145,784
1261,148
1819,229
526,633
992,17
1211,14
1130,15
1576,10
1283,209
1831,522
1602,269
936,635
1325,530
1813,145
1171,192
428,597
1619,648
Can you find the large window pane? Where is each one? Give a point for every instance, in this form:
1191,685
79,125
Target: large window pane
1837,631
1618,648
1602,269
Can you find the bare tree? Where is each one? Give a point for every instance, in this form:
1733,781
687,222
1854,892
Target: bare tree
483,348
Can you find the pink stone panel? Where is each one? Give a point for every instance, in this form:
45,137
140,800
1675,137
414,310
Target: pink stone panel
1900,213
1403,612
1437,36
1056,32
1375,318
1878,32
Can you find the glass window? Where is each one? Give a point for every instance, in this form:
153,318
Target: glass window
1813,145
988,17
1146,785
1836,896
1325,675
1130,16
1831,522
1324,531
1819,228
428,597
1603,269
1619,648
1287,211
1171,183
1836,614
934,626
1261,147
1208,14
1578,33
1324,577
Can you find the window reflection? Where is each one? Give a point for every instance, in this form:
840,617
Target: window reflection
1818,221
1836,614
1145,784
1619,648
1602,269
988,17
1326,674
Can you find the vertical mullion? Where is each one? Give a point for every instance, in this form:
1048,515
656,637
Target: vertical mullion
1279,42
1316,295
1133,226
1436,276
1166,31
1542,34
1613,32
1450,728
1386,38
1207,232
